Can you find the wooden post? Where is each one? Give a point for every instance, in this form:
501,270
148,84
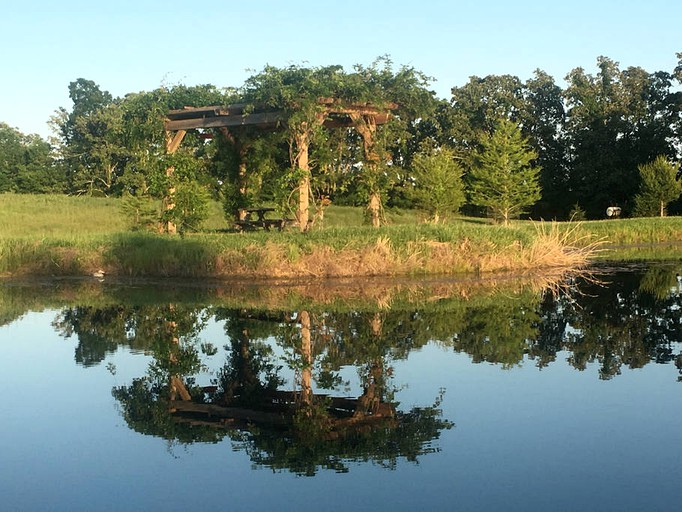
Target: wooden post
306,355
241,148
172,144
366,125
302,140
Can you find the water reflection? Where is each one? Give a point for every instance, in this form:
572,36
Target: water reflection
299,429
276,383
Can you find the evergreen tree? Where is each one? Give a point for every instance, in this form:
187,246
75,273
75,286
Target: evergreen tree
438,183
657,189
503,179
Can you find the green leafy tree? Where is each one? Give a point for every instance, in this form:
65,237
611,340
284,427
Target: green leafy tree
101,136
616,120
478,105
503,179
27,164
80,131
543,122
438,183
658,188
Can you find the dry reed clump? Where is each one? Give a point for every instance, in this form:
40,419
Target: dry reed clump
554,248
550,248
372,260
276,261
449,257
252,261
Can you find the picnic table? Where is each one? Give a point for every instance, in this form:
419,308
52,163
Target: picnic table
255,218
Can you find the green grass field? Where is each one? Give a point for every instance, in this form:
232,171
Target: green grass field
62,235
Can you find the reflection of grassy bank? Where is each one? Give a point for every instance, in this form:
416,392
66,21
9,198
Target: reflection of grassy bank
17,299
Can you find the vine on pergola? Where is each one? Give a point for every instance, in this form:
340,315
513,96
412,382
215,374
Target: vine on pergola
302,102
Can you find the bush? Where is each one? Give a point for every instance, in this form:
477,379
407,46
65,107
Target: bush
191,207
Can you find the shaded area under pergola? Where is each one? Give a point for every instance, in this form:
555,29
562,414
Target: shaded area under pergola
332,113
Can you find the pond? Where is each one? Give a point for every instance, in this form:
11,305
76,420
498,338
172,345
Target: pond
441,395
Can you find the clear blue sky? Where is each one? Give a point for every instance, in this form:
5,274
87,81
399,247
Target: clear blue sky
129,46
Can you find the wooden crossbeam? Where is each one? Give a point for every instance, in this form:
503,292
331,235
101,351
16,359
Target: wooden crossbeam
173,141
338,113
265,119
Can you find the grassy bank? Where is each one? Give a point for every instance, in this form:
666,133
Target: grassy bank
60,236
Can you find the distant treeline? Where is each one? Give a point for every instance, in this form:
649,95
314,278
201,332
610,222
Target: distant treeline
589,142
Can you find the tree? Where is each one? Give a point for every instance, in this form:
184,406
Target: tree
438,183
503,178
657,189
88,136
191,206
386,148
616,121
543,123
27,164
478,105
105,153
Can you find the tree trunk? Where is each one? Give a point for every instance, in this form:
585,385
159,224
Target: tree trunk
505,217
662,209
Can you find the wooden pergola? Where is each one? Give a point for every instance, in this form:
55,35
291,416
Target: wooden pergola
333,113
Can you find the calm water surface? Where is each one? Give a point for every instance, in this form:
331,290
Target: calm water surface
133,398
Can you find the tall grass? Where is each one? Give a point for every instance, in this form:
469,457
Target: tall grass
60,235
620,232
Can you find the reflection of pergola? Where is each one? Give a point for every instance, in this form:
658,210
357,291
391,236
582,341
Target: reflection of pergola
333,113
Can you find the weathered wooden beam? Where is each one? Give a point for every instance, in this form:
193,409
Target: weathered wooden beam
234,115
177,386
264,119
237,413
210,111
173,141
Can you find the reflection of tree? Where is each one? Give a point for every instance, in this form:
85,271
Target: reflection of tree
632,321
298,430
623,324
101,330
250,372
499,332
551,330
170,333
